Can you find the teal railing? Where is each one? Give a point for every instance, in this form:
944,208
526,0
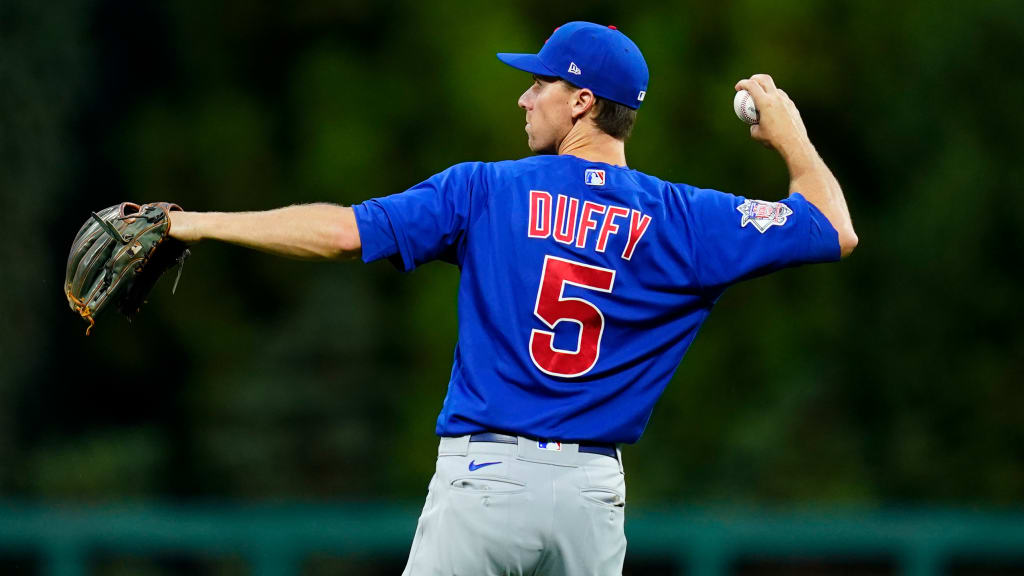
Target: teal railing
275,540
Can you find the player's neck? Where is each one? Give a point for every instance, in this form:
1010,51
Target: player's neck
587,141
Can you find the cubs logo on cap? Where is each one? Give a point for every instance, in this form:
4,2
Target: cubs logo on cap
592,56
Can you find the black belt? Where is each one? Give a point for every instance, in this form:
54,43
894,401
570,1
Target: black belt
602,449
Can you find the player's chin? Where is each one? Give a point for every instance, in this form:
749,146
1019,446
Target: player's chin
541,148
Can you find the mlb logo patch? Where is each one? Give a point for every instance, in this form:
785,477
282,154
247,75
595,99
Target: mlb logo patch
552,446
594,177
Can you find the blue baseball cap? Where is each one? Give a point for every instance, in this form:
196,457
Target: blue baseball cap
590,56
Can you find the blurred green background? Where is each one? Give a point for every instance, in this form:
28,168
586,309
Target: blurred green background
891,379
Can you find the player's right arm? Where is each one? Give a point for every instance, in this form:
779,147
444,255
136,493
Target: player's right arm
306,231
781,128
424,223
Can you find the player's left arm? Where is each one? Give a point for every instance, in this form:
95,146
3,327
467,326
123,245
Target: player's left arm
306,231
780,127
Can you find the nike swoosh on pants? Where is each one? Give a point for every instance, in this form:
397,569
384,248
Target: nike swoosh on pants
474,466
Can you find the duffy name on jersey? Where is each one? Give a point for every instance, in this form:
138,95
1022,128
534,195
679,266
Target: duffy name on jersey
557,217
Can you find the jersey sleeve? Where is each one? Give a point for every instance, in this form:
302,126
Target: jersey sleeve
737,238
426,222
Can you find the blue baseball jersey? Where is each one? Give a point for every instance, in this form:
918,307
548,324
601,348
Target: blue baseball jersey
582,284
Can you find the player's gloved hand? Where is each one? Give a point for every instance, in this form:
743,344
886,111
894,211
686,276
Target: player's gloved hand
780,126
117,257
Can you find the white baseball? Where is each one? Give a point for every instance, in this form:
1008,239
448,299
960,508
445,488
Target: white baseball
743,105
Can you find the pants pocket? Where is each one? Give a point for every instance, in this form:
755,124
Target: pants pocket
604,497
487,485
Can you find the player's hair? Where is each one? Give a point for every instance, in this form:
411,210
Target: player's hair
614,119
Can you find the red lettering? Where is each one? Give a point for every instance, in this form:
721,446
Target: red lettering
586,222
572,225
565,223
637,226
540,214
610,227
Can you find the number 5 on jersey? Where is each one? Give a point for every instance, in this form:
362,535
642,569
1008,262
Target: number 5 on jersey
552,308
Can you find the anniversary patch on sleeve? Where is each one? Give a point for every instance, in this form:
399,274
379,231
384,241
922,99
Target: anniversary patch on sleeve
763,215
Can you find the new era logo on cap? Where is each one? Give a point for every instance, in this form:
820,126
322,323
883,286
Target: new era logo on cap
574,69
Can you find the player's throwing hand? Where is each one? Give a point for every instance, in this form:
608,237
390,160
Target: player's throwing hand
780,126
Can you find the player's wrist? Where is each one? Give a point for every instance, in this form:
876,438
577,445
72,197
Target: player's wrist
799,155
184,227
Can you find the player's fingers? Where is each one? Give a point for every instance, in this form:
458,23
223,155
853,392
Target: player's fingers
757,133
786,100
765,81
756,92
755,89
790,105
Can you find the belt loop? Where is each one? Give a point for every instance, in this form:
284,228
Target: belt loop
618,456
453,446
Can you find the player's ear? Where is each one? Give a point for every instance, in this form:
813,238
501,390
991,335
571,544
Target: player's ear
583,100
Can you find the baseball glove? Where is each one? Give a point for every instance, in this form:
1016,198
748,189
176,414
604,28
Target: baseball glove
118,256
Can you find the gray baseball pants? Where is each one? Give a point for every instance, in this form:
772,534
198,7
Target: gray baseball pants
520,509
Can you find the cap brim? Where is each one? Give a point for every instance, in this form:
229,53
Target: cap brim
527,63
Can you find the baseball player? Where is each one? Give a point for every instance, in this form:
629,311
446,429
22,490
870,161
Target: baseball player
582,284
